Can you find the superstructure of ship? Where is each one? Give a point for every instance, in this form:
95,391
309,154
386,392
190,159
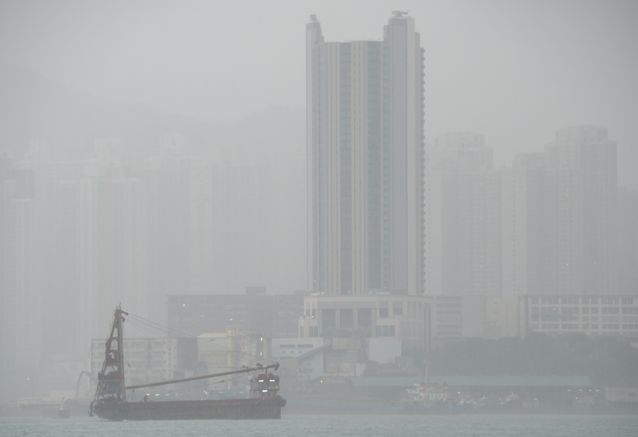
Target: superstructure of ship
111,403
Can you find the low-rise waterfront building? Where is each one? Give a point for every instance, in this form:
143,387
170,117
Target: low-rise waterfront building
270,316
602,314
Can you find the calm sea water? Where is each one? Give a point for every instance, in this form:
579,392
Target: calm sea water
335,426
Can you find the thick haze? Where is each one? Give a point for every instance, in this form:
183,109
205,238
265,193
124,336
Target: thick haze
515,71
153,154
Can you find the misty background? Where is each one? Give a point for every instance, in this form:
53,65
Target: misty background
515,71
156,148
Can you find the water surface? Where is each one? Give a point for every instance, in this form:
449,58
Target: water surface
336,426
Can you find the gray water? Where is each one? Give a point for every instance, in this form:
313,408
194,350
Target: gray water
335,426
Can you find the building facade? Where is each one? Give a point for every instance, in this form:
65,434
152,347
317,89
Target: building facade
230,350
458,317
596,314
559,217
20,298
626,238
404,317
255,311
583,165
365,156
526,226
462,245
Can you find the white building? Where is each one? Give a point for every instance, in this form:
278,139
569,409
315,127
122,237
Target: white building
404,317
596,314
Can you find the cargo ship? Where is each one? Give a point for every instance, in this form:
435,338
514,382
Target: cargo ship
110,402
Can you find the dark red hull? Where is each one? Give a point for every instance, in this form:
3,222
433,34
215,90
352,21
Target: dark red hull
268,408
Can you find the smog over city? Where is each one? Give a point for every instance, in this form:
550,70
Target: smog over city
363,218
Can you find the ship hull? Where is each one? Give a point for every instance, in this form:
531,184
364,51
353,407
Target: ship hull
228,409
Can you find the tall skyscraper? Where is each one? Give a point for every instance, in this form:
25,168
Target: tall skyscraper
365,155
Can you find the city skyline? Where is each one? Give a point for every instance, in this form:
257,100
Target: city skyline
536,80
460,173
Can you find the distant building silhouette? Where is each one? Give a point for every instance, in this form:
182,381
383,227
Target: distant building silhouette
559,216
463,251
626,238
583,166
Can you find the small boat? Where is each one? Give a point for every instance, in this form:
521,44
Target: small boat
110,401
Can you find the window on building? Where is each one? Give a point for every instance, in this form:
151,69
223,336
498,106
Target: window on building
385,331
397,308
364,320
346,316
328,320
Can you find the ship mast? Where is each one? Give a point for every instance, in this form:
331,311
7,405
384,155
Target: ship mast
111,385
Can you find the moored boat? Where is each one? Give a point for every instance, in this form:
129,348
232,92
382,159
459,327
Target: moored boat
110,400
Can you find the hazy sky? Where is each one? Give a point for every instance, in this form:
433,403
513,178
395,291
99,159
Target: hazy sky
513,70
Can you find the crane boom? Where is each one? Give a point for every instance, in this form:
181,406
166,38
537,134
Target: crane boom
274,366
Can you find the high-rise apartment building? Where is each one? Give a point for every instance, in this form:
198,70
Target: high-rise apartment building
64,216
526,226
626,236
20,298
365,156
462,216
583,166
559,217
119,245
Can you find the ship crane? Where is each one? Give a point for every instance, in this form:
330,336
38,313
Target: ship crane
110,396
